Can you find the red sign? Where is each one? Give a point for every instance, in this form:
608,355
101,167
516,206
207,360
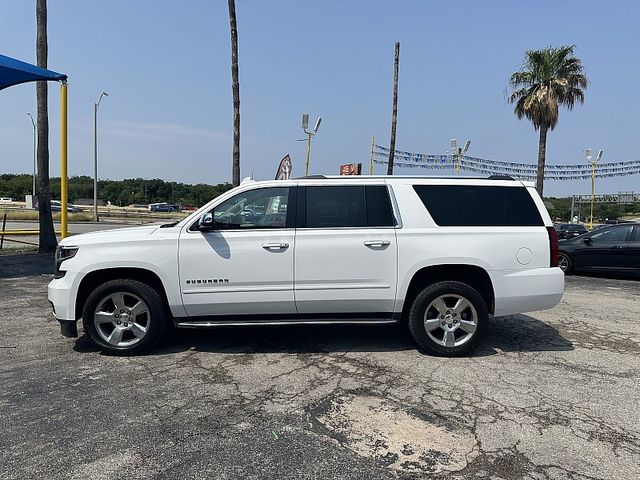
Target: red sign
351,169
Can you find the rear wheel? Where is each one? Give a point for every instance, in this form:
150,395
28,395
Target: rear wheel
448,319
125,317
564,262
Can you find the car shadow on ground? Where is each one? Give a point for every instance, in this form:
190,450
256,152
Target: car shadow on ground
14,265
515,333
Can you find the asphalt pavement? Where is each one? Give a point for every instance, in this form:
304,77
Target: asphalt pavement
551,394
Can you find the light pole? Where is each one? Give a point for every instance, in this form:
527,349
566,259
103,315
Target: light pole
588,152
305,126
457,152
33,197
95,156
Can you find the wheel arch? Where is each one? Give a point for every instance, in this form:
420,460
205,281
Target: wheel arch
97,277
474,276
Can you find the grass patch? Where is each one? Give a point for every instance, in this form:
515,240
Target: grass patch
18,250
33,215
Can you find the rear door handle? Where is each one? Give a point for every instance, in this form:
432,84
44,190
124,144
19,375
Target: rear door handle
617,247
275,246
377,243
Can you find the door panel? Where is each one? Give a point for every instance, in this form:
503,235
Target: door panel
237,272
244,265
606,251
632,253
345,270
346,250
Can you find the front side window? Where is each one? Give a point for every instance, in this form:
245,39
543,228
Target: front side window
261,208
615,234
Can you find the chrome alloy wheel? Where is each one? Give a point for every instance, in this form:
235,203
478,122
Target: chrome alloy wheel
122,319
563,262
450,320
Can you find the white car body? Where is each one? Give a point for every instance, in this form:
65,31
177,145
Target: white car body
332,274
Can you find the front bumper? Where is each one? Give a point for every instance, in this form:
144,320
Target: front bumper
61,294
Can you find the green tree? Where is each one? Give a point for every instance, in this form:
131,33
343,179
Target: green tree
549,78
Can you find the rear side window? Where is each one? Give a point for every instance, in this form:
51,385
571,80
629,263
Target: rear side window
348,206
479,206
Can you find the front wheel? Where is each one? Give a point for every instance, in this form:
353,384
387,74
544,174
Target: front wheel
125,317
448,319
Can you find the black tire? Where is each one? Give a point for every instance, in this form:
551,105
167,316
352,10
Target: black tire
156,320
569,263
418,313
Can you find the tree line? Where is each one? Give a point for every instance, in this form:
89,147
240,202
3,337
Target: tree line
118,192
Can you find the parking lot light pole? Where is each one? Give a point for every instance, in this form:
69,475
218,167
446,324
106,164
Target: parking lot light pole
35,142
95,156
459,152
593,163
310,133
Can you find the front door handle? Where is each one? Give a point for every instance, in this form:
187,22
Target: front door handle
377,243
275,246
617,247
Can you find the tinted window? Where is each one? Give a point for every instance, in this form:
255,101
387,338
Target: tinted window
261,208
473,205
379,212
615,234
348,206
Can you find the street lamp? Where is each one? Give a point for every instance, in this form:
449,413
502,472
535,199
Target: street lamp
589,154
305,126
33,197
95,156
457,152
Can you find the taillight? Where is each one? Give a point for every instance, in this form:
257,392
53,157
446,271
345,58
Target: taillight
553,246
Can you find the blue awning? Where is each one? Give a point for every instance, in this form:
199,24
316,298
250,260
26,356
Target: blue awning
14,72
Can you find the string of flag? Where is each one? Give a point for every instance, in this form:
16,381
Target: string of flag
522,171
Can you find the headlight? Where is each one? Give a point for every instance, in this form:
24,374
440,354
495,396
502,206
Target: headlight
63,253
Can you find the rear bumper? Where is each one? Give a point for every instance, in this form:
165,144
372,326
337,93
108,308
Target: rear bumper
527,290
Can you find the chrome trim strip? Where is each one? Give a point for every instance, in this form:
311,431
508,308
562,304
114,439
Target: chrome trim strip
235,323
283,288
339,286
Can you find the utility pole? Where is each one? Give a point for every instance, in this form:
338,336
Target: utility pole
95,156
35,143
373,143
394,114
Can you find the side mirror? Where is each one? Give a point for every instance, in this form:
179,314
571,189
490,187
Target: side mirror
587,240
206,222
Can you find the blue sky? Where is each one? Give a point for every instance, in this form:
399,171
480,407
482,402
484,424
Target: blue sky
166,69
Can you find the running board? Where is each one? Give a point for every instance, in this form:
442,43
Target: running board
294,321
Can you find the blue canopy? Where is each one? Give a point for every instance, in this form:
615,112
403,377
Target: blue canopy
14,72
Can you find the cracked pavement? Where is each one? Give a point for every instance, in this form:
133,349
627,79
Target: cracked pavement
551,394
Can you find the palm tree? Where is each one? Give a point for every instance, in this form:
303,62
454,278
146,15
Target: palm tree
47,240
549,78
235,87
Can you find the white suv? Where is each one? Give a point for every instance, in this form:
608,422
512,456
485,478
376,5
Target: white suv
440,254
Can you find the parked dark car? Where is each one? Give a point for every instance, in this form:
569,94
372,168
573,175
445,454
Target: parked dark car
612,248
569,230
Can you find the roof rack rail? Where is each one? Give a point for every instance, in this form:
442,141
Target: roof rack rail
311,177
501,177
